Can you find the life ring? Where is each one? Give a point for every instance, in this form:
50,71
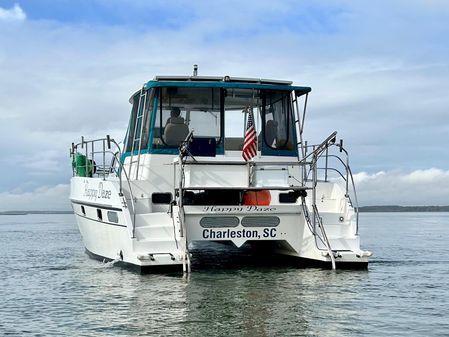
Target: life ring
257,198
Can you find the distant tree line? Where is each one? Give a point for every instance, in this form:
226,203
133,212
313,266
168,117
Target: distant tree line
393,208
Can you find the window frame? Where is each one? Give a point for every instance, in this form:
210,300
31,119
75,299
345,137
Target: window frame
154,112
146,103
219,140
264,121
268,150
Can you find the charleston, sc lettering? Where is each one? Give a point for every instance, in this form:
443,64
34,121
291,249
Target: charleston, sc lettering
238,233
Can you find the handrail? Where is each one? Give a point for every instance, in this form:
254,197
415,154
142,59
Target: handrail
110,169
122,169
356,201
183,153
323,239
332,169
322,146
321,151
348,178
308,221
326,240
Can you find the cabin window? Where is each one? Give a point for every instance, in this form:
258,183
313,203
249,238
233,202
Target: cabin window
222,113
278,132
272,119
237,102
182,110
139,124
112,216
99,214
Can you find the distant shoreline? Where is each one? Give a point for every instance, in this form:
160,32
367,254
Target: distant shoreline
363,209
34,212
394,208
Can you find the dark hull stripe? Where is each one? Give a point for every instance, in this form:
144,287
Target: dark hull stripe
91,204
274,259
103,222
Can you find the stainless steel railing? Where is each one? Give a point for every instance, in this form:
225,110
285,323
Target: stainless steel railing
323,155
90,159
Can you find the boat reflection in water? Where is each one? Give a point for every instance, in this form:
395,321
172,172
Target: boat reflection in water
242,295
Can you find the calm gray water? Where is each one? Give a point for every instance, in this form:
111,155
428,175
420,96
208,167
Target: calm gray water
49,287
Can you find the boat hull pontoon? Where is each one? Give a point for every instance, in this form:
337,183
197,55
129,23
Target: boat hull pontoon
180,178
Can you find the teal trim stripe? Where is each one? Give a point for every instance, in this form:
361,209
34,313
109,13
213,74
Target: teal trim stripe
266,151
190,84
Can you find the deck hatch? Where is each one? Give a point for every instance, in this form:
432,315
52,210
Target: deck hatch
219,221
260,221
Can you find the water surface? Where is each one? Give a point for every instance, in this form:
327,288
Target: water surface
49,287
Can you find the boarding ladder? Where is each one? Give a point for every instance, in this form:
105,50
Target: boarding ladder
312,224
316,221
183,152
137,135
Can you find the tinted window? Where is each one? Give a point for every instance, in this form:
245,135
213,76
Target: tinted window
182,110
277,118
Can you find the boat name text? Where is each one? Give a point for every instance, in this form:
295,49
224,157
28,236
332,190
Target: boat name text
96,193
238,209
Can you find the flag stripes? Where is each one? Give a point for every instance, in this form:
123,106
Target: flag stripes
249,143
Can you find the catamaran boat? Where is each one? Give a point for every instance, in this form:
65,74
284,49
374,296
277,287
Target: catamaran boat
218,159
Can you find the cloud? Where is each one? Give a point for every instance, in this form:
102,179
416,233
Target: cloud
42,198
420,187
378,77
15,14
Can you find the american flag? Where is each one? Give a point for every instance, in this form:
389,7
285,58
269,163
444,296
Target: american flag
249,144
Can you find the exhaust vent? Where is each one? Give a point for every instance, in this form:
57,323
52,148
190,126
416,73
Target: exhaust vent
219,221
260,221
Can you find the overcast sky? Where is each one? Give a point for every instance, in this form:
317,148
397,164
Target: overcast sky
379,72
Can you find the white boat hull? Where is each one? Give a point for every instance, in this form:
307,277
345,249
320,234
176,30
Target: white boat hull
111,237
157,242
180,177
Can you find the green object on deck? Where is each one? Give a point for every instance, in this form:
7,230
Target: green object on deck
79,164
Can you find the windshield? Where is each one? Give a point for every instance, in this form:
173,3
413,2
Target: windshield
272,114
222,113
